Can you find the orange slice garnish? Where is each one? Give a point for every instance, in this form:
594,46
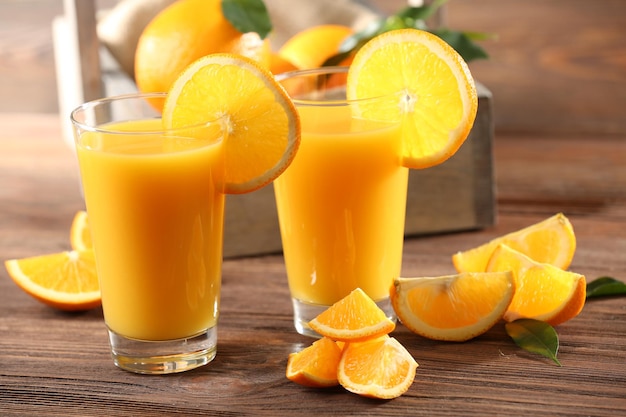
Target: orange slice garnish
433,86
262,124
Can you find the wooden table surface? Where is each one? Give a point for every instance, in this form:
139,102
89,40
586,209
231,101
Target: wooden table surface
58,364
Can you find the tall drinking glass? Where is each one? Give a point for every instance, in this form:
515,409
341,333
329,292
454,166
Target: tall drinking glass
342,201
156,211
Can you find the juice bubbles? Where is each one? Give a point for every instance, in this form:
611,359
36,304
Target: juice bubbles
341,205
156,216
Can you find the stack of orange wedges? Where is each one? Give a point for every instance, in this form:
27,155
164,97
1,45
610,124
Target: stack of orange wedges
519,275
355,351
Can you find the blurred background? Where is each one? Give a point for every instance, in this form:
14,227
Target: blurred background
556,66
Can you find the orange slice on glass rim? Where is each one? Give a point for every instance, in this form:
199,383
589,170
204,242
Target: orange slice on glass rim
261,123
434,89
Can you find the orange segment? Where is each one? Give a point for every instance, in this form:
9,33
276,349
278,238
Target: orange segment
80,235
311,47
454,307
437,95
378,368
544,292
354,317
550,241
315,366
66,280
262,125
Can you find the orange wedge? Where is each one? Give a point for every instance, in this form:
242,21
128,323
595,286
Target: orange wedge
315,366
377,368
544,292
80,235
262,124
66,280
432,85
454,307
550,241
355,317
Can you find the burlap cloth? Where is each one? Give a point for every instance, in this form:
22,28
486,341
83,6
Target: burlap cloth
119,28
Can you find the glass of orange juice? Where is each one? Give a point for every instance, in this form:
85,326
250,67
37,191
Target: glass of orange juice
156,210
342,201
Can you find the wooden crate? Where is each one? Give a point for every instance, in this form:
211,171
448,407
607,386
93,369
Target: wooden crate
454,196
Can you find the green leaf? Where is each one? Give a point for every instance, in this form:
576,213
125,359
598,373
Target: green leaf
462,43
605,286
421,12
535,336
248,16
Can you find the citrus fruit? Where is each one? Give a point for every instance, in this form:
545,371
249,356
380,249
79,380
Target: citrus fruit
252,46
262,124
550,241
434,89
544,292
66,280
354,317
311,47
377,368
80,235
316,365
278,64
453,307
178,35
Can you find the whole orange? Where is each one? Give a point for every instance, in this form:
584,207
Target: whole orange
181,33
312,46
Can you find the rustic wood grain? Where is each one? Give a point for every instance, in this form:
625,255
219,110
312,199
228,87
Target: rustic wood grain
58,364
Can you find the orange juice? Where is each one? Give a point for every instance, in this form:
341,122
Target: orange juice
156,217
341,206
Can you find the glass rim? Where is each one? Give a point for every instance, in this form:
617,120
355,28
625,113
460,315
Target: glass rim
329,102
83,126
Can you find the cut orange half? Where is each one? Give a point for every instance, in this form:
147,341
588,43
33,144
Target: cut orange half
80,235
454,307
66,280
550,241
377,368
432,84
262,124
544,292
354,317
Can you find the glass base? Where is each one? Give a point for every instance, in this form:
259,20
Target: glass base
304,312
163,357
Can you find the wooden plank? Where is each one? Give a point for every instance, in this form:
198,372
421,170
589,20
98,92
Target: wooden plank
58,364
